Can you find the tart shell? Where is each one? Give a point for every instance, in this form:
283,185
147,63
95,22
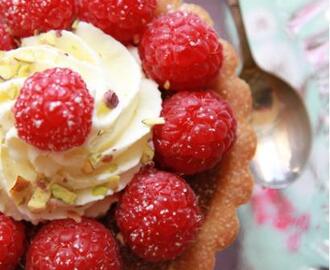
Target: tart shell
234,183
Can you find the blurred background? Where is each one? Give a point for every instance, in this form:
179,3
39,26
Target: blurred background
286,229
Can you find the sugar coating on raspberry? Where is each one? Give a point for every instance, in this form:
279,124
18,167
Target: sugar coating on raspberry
199,129
26,17
7,42
158,215
180,51
54,110
125,20
66,244
12,242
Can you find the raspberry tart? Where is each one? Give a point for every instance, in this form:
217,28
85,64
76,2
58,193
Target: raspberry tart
125,136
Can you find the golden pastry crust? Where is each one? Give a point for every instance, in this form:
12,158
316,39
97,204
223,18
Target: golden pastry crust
164,6
198,10
234,182
222,190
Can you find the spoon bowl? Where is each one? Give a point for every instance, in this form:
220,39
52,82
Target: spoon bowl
282,127
280,119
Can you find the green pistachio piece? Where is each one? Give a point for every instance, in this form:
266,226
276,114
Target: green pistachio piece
113,182
148,154
100,191
153,121
39,200
112,167
62,193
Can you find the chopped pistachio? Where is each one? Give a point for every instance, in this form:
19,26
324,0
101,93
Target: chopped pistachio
112,168
42,184
113,182
9,93
48,38
102,109
92,163
20,184
100,191
100,132
58,33
111,99
4,96
8,70
14,91
62,193
39,199
153,121
25,57
88,167
148,154
75,24
42,181
95,159
41,176
20,190
24,70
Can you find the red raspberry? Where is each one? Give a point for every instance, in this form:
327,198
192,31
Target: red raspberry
7,42
199,129
12,240
24,18
158,215
125,20
180,51
54,110
66,245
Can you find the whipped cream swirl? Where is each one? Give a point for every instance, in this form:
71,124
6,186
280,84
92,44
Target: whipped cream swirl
38,185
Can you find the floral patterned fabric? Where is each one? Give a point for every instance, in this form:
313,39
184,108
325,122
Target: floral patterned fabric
289,229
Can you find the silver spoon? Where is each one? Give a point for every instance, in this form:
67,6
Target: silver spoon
279,118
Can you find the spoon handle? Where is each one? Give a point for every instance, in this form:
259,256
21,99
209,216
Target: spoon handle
248,60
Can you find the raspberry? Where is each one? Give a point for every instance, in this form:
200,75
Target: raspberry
66,244
25,17
54,110
125,20
199,129
7,42
12,241
158,215
180,51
